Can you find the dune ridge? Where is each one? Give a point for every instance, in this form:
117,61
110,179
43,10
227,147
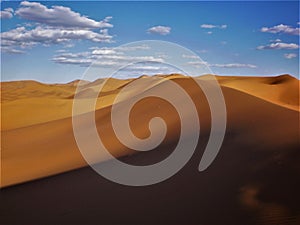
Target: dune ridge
37,136
282,90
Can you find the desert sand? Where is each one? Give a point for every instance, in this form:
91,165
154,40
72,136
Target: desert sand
37,137
256,167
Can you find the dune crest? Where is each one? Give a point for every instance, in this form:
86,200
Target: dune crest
282,90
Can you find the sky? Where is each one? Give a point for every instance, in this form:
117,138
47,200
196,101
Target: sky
57,41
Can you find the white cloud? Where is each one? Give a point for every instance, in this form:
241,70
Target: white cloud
209,32
228,65
276,40
197,63
162,30
207,26
61,50
151,68
146,68
104,51
136,70
234,65
190,56
290,55
281,28
124,48
69,45
211,26
105,57
76,61
54,25
11,50
47,35
58,16
74,55
279,45
133,48
6,13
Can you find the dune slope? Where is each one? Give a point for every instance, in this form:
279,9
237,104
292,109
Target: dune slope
282,90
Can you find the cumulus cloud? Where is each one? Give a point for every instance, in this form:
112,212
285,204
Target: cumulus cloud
131,66
6,13
54,25
281,28
21,37
58,16
290,55
105,57
162,30
104,51
278,45
211,26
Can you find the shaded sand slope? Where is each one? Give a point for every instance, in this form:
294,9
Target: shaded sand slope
49,148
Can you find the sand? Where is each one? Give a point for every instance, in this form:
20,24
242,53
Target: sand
37,136
253,180
282,90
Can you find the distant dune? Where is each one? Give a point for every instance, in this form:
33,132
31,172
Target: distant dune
37,136
282,90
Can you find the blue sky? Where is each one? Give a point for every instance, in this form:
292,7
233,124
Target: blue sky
57,41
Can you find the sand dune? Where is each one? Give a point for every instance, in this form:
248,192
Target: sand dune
37,136
282,90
